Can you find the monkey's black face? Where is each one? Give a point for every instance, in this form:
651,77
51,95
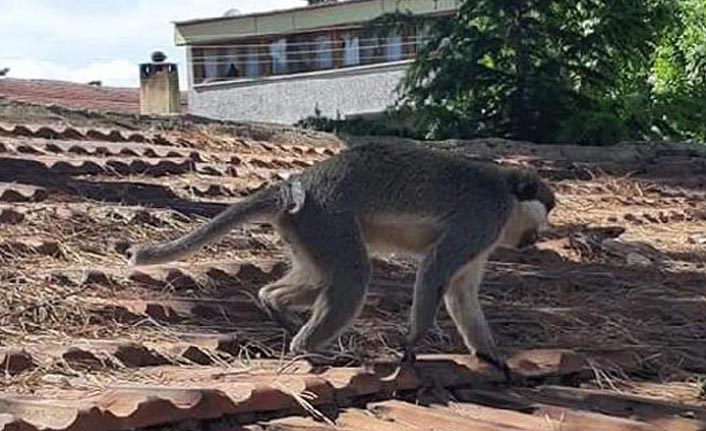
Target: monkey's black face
528,220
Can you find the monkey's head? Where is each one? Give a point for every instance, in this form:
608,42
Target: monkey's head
534,201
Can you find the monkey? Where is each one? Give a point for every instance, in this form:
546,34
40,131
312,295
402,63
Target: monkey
449,210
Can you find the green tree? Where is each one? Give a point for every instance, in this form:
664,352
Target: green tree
539,70
679,73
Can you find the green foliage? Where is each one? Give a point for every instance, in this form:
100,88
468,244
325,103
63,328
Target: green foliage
391,123
588,72
540,70
679,72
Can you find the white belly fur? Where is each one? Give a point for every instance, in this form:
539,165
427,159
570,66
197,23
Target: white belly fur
399,233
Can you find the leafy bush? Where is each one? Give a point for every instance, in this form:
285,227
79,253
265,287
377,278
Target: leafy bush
389,123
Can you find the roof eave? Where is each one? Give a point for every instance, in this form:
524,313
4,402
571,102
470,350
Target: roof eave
208,30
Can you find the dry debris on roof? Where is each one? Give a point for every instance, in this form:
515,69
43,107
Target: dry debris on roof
598,339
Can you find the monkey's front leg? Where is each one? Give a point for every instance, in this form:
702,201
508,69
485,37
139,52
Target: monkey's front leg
463,305
444,259
428,291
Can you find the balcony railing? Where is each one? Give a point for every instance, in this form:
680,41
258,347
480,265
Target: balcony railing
297,54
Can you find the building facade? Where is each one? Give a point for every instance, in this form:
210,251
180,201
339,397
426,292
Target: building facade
285,65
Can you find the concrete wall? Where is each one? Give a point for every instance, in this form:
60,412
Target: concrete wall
287,99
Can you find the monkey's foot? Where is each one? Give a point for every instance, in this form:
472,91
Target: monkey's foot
408,356
286,320
432,391
439,336
500,364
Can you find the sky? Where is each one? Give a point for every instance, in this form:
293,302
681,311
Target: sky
86,40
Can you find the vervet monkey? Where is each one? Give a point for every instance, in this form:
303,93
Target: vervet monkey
384,196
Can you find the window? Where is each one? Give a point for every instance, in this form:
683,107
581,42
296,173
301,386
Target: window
251,62
323,52
298,55
422,35
393,47
210,64
370,51
351,50
278,52
232,70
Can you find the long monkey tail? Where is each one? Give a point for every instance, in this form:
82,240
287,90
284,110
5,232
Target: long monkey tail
260,206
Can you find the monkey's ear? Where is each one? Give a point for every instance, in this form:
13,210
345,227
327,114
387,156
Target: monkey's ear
524,184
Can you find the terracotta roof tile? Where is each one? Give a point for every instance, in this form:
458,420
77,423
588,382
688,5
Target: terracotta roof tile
90,344
72,95
211,392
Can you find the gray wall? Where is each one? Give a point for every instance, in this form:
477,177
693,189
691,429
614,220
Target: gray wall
288,99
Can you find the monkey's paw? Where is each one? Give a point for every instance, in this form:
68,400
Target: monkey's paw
408,356
498,363
286,320
438,336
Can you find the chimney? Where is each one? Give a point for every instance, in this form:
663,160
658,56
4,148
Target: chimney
159,86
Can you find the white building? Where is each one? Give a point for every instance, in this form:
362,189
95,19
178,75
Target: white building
281,66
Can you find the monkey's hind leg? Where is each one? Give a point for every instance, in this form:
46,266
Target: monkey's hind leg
281,300
335,245
463,305
296,291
